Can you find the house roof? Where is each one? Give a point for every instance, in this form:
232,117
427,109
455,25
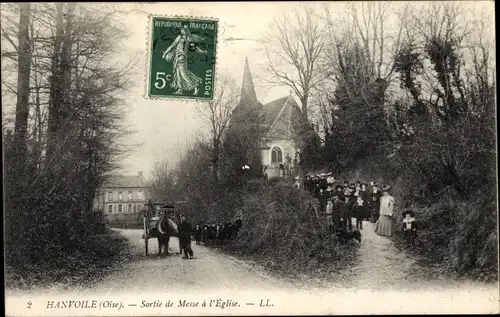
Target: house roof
122,181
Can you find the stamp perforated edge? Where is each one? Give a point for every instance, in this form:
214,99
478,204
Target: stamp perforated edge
149,34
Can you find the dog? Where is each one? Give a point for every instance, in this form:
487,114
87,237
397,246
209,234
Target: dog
345,236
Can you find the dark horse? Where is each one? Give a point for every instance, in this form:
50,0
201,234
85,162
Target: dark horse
164,229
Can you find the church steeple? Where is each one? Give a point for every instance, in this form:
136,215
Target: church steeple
248,95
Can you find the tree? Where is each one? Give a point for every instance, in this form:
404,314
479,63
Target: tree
23,83
163,181
218,112
75,80
294,44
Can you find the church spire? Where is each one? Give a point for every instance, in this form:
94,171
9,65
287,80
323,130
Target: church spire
248,95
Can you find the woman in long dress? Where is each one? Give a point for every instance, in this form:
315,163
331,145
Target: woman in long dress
383,227
183,79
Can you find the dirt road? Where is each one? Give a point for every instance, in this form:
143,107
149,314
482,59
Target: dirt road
208,271
383,281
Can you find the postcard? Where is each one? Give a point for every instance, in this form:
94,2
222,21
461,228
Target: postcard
249,158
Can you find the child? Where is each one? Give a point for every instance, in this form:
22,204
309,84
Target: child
359,211
197,234
409,227
329,216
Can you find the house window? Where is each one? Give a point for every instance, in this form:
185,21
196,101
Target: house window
120,208
130,195
276,155
110,208
120,195
129,208
139,195
110,196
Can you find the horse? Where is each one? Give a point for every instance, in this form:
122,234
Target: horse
164,229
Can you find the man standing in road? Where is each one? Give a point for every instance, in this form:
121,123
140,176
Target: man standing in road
237,225
185,238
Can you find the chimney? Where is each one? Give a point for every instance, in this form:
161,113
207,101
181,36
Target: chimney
140,173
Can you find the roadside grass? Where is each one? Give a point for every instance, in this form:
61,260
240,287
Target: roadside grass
91,262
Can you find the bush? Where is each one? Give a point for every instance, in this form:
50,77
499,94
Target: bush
87,265
459,238
281,227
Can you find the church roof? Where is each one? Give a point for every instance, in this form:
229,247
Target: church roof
271,110
269,113
248,94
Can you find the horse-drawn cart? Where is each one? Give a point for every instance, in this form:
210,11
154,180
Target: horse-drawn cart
153,215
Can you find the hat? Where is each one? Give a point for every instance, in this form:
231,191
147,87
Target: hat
386,188
408,211
339,187
352,185
372,184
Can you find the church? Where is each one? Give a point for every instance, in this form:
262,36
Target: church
281,126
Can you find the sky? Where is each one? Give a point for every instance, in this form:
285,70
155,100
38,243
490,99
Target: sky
164,127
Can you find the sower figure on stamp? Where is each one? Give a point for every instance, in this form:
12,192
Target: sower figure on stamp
185,238
183,78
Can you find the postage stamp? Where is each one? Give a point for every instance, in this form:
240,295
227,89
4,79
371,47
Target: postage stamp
182,57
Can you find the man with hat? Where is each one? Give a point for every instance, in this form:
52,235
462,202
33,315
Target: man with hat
338,210
307,182
329,216
323,184
330,179
339,190
322,197
350,199
297,182
374,202
185,238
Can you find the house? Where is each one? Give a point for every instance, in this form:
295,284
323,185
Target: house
123,194
281,123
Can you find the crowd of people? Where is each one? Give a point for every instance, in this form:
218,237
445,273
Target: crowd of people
216,234
210,234
343,202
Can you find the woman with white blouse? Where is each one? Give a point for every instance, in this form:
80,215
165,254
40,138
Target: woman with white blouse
383,227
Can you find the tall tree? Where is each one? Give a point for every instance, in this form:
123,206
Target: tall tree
294,43
23,83
218,112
